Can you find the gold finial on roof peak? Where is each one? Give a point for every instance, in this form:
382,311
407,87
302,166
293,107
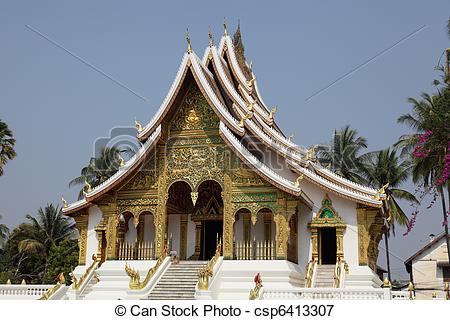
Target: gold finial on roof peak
225,33
189,48
211,42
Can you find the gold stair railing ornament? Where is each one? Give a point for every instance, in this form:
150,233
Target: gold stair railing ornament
254,293
207,271
411,291
77,283
135,280
309,273
50,292
341,266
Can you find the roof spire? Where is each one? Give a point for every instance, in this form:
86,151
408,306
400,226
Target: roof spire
189,48
211,42
225,33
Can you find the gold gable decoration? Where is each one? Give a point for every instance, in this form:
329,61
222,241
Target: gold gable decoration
194,113
327,216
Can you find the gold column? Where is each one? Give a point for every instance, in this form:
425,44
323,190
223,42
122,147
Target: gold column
160,219
110,223
82,225
228,218
314,244
183,236
363,235
339,243
282,235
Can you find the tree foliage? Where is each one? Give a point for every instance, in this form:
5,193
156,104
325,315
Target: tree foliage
7,143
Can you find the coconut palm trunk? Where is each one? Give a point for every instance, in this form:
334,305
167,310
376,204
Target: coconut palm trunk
388,261
444,212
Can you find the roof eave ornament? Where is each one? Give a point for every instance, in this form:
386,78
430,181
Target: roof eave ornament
298,180
381,192
251,82
138,126
311,154
87,187
272,112
64,202
188,39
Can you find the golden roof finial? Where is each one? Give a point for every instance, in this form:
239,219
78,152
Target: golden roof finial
211,42
64,202
225,33
189,48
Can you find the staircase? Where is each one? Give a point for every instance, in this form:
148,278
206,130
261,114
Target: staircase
178,282
324,277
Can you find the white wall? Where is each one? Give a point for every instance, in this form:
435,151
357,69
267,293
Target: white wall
190,238
149,228
174,230
239,228
304,236
131,234
95,216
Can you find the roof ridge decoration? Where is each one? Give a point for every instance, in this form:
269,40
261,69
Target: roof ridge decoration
286,145
332,175
263,170
192,61
341,190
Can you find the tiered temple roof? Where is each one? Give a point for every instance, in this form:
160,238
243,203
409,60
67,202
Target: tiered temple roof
230,87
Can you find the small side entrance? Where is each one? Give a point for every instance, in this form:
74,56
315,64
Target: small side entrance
327,246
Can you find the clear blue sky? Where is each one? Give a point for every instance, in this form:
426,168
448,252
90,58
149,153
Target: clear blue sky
57,106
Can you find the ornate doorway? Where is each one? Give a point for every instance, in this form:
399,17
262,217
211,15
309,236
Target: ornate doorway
327,245
208,219
327,234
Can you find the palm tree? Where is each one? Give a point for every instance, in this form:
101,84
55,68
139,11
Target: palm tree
343,155
7,143
30,243
4,233
383,168
99,169
429,145
51,226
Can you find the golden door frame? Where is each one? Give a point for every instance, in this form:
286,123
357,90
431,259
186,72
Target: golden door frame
327,217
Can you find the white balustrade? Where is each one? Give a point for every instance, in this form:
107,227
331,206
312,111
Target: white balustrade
23,291
326,294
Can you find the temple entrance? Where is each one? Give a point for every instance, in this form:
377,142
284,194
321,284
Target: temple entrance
211,234
327,246
207,215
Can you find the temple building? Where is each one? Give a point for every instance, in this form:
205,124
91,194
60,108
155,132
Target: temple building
216,194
